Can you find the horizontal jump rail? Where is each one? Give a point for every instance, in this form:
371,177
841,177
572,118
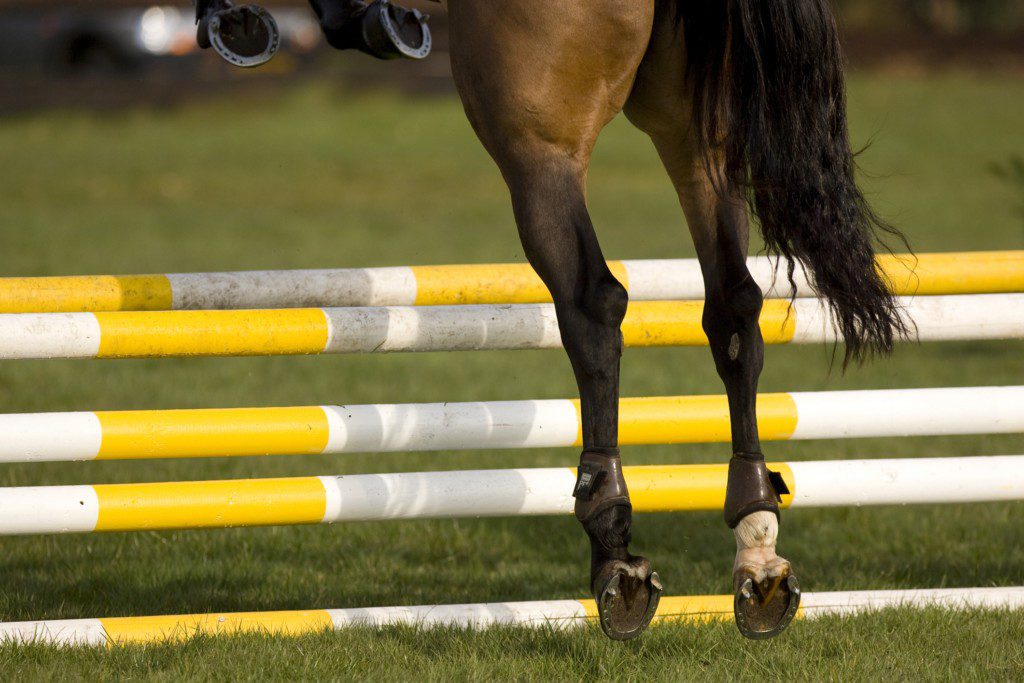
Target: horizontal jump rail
485,493
313,430
984,272
450,328
694,609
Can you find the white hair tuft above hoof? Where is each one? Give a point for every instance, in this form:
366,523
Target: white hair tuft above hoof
757,530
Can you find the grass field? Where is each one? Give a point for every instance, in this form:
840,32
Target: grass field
319,178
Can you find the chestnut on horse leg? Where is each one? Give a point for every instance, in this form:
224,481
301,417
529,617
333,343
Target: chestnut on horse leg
538,94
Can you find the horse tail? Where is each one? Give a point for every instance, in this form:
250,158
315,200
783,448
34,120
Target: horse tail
769,102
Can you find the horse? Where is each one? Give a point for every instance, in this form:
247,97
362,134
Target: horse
744,101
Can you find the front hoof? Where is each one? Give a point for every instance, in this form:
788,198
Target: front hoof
627,598
764,608
244,35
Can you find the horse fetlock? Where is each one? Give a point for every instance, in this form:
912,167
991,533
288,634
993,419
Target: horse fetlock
756,536
610,532
758,530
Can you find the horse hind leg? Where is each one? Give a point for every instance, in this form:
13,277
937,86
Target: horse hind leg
537,97
766,592
559,240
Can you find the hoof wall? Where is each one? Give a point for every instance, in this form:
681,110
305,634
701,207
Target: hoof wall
627,604
763,610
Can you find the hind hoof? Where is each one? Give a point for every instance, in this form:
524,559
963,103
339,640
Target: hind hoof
627,598
764,609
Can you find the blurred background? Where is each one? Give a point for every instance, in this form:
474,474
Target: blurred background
116,52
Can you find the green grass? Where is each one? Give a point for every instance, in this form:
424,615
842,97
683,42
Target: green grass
930,645
318,178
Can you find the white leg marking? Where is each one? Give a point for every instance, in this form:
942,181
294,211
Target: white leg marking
756,535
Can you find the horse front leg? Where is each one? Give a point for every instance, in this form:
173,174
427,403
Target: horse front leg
247,35
378,28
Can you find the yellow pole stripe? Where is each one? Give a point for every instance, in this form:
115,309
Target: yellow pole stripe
664,323
490,283
689,608
778,322
181,627
678,323
478,284
85,293
656,488
977,272
212,433
176,628
618,269
196,505
213,333
694,419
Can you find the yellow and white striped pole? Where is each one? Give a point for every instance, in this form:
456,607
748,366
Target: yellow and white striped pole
114,631
485,493
925,274
451,328
313,430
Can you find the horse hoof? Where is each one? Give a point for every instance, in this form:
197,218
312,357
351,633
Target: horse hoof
244,35
763,610
626,603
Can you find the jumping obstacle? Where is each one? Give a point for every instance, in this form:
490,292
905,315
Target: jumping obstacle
926,274
451,328
560,614
486,493
112,330
311,430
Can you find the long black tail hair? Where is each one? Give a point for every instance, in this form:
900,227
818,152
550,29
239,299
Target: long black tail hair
769,98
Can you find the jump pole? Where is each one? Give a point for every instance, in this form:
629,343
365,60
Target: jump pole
313,430
561,614
451,328
485,493
925,274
